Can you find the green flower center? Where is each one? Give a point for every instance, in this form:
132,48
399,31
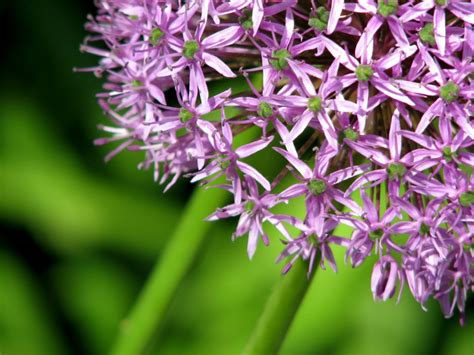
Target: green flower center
396,171
246,19
449,92
185,115
155,36
427,34
448,154
350,134
364,72
223,162
314,104
312,239
136,83
264,110
424,229
249,206
133,17
467,199
387,7
190,48
280,59
320,19
376,234
317,187
441,2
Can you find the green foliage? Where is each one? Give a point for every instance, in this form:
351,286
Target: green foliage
26,321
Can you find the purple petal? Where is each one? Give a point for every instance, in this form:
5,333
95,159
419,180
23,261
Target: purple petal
422,140
303,78
416,11
369,153
341,105
398,33
251,148
302,168
197,74
336,10
363,102
375,175
257,15
395,139
390,90
223,38
218,65
252,172
463,10
308,45
328,129
289,28
440,28
371,212
434,110
432,64
396,57
293,191
347,173
417,88
300,126
367,38
412,211
337,52
252,241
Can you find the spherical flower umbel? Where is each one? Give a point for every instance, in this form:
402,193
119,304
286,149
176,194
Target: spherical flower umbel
368,104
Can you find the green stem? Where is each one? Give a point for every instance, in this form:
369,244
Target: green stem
149,310
279,311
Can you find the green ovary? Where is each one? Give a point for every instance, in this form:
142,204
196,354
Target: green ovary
155,36
467,199
185,115
449,92
320,20
224,164
424,229
190,48
136,83
364,72
246,19
280,59
396,171
249,206
427,34
264,110
376,234
350,134
314,104
387,7
317,187
448,154
312,239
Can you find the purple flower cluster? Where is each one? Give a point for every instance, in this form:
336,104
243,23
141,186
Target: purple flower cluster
367,104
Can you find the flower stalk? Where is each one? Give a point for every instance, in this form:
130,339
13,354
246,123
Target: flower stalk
148,314
280,310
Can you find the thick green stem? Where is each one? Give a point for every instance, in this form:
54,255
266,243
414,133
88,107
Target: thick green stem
149,310
279,311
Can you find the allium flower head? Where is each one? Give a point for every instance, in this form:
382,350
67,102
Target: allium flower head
368,104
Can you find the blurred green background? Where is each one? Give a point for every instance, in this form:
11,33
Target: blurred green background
79,237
